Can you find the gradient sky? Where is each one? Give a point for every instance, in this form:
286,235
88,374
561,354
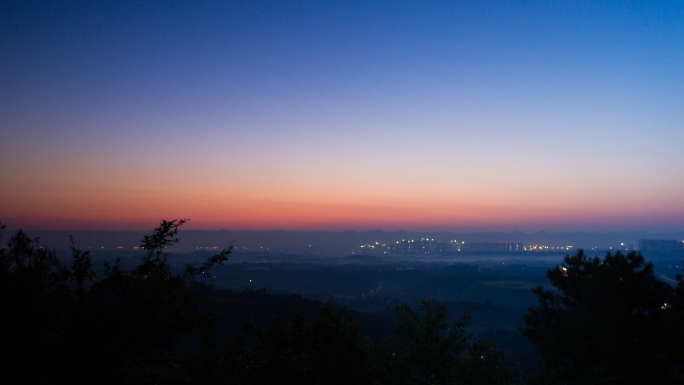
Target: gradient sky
413,115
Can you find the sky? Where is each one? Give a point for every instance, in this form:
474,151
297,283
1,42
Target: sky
354,115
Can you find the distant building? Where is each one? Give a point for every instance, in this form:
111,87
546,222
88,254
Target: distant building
448,247
415,246
492,246
428,246
660,245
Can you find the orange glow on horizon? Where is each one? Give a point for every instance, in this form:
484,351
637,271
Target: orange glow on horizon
137,210
77,204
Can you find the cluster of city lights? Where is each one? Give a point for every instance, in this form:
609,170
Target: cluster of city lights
546,248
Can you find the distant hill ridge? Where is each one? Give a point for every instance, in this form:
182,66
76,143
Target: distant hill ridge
342,242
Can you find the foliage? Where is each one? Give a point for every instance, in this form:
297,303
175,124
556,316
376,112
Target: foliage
438,352
607,321
429,344
483,364
327,349
32,292
67,325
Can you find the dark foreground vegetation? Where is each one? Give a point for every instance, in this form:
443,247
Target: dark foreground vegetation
607,321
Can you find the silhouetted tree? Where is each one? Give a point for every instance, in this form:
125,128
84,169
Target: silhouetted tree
327,350
438,352
65,325
607,322
33,293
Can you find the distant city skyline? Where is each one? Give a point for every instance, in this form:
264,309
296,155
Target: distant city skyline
418,116
345,243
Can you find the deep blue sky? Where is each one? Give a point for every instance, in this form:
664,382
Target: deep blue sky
309,115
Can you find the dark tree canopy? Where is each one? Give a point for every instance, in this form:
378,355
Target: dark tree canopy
607,321
63,324
436,351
